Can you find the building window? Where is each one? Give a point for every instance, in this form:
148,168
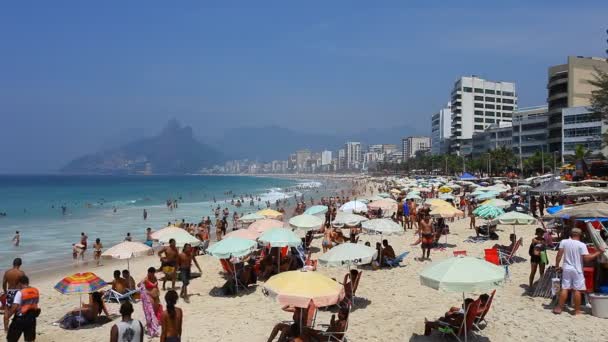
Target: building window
508,101
506,115
489,91
489,113
508,93
507,107
478,98
588,145
490,121
498,92
478,105
489,99
479,90
478,112
467,89
478,119
581,118
582,132
497,106
498,100
478,126
490,106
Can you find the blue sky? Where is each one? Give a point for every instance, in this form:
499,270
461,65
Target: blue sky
77,75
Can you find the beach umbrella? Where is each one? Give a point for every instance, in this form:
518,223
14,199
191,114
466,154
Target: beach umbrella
488,211
497,202
300,288
280,237
445,189
555,209
487,195
588,209
382,226
86,282
446,212
462,274
181,237
413,196
353,206
248,234
385,205
249,218
127,250
395,191
265,224
348,219
384,195
446,196
269,213
515,218
374,198
232,247
435,202
306,222
167,230
316,210
348,254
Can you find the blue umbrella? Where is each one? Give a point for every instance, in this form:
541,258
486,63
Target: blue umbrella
553,210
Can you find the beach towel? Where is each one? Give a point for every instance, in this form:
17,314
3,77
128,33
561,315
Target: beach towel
152,321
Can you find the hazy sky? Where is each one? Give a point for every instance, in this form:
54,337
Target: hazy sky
75,77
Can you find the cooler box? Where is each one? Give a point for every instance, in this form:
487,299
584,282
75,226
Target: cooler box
599,305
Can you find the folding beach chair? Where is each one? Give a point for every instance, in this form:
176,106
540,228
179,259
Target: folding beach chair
460,253
467,324
507,258
491,255
482,317
395,262
338,336
112,296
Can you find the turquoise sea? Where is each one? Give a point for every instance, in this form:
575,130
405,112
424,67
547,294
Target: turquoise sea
107,207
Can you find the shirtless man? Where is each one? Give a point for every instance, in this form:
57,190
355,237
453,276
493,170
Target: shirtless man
10,286
426,237
185,259
413,209
168,262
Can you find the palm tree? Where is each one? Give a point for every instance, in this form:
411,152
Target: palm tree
580,153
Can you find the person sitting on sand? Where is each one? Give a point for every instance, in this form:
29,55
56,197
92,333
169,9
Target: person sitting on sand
335,330
87,314
119,284
388,253
289,330
454,317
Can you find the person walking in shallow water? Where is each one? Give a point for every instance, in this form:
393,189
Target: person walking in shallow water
145,214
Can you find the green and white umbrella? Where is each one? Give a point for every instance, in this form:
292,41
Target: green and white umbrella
280,237
348,254
306,222
497,202
232,247
462,274
382,226
488,211
514,217
487,195
316,210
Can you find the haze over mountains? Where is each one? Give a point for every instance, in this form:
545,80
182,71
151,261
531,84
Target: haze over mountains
175,150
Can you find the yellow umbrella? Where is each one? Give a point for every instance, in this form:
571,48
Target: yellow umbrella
300,288
269,213
445,189
446,212
435,202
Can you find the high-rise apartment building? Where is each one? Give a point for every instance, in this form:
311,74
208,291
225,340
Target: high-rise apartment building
341,159
477,104
302,156
326,158
568,86
530,131
411,145
441,129
353,155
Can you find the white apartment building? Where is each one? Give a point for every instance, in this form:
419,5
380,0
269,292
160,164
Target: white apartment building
353,155
341,159
441,129
326,158
411,145
477,104
581,127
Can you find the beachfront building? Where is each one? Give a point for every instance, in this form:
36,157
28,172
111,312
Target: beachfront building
441,130
568,86
493,137
341,159
352,155
302,157
325,158
412,145
476,104
530,132
582,127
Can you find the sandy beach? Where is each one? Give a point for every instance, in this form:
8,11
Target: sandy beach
391,304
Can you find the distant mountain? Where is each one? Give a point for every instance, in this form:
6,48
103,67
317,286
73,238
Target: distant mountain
173,151
273,142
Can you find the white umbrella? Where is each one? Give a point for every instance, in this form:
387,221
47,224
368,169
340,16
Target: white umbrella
306,222
180,236
353,206
382,226
126,250
249,218
348,254
347,219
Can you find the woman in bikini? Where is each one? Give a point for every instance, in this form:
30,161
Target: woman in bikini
97,246
327,238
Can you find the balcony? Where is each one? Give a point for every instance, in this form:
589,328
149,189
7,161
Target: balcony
558,96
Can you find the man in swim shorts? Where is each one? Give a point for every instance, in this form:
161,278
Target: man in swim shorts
10,286
426,237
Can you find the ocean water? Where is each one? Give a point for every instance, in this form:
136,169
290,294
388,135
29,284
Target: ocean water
33,205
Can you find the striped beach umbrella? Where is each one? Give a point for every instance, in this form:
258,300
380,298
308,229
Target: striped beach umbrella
80,283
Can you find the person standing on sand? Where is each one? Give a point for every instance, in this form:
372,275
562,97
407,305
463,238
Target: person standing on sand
128,329
171,321
168,261
218,229
25,311
574,253
97,246
185,259
10,286
426,237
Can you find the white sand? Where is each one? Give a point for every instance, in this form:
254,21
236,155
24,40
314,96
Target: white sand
391,306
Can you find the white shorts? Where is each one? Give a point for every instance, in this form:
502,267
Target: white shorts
572,280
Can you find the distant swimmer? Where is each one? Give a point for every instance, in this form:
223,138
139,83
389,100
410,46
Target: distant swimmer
16,239
145,214
64,210
128,237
